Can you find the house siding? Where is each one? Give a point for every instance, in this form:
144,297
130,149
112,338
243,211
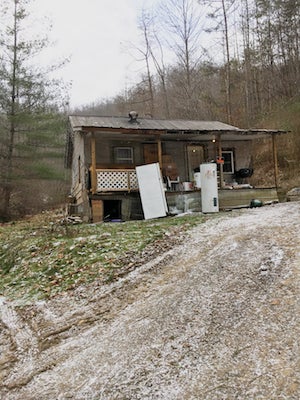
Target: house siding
80,178
78,158
105,154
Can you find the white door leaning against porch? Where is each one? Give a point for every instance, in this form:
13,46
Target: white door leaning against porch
151,191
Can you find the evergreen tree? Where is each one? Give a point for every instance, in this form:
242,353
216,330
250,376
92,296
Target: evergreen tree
30,114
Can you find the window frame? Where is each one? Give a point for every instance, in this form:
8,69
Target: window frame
123,160
231,152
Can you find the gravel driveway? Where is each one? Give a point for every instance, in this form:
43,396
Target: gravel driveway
214,318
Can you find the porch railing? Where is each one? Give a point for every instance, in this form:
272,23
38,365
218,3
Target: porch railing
116,180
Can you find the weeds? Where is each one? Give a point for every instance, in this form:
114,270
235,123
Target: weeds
40,257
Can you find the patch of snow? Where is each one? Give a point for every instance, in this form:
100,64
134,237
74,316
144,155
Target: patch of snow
214,318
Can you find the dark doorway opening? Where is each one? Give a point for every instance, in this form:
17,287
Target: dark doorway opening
112,210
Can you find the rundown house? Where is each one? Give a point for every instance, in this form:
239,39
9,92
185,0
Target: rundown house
103,153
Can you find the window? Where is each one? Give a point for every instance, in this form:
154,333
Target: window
228,166
123,155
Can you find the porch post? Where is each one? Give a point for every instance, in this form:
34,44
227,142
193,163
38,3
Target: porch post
275,160
159,151
220,165
93,167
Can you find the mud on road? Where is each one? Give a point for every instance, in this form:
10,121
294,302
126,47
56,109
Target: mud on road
216,317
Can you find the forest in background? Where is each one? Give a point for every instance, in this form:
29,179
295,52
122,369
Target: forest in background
235,61
230,60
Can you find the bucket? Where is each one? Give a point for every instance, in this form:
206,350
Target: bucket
187,186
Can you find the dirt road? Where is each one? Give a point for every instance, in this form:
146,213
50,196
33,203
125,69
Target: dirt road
214,318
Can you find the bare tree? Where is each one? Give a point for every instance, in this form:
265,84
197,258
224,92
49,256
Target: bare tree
153,54
145,23
220,12
228,69
182,22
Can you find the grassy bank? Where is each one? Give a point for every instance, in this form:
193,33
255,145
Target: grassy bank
41,256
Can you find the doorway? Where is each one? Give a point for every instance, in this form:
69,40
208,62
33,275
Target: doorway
150,153
195,156
112,210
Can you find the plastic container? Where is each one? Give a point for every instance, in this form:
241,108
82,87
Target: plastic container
187,186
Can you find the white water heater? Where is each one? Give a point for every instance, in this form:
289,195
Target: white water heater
209,188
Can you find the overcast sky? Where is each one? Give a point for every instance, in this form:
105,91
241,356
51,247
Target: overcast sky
96,35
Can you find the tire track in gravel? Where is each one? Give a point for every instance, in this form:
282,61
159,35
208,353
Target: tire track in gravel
25,345
217,317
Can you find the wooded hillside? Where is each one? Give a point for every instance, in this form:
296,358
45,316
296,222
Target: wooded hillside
236,61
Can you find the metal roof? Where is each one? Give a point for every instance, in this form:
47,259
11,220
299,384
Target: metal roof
86,123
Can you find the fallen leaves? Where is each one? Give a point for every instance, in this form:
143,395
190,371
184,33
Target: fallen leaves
39,257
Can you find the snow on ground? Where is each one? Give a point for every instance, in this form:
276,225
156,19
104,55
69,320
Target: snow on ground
214,318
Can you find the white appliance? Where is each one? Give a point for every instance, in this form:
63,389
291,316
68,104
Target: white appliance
152,192
209,188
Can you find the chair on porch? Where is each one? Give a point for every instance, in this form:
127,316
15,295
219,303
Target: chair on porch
173,184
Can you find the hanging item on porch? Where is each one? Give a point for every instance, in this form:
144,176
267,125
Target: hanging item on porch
220,160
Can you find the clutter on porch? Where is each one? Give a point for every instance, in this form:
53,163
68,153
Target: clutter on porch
104,153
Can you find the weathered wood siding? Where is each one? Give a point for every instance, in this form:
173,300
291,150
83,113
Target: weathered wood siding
80,178
242,197
105,154
78,166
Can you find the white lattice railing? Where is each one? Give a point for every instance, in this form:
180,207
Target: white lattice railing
116,179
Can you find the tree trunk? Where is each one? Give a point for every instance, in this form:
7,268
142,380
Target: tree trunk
228,69
8,186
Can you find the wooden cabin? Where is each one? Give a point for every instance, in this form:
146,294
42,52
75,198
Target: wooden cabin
103,153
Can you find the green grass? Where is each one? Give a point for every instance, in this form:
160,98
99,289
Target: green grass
41,257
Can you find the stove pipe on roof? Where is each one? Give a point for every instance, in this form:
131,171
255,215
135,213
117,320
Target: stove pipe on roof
133,116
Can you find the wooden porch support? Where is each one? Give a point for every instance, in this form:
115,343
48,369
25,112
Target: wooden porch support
220,165
159,151
94,164
275,160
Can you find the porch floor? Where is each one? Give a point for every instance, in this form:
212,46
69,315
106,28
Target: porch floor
129,205
237,198
228,199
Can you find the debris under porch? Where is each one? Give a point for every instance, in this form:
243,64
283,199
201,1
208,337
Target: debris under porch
117,207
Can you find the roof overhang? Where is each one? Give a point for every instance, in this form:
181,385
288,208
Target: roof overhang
169,130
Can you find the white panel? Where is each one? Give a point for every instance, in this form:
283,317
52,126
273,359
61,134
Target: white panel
151,191
209,188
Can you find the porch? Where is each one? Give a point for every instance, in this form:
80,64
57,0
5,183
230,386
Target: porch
117,196
107,150
125,180
113,169
114,180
